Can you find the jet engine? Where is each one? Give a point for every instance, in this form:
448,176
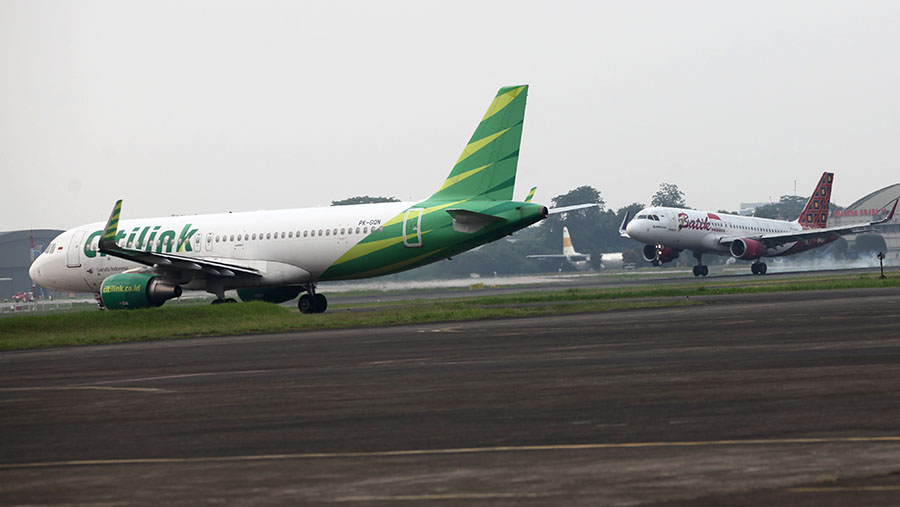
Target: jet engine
136,290
747,249
659,254
269,294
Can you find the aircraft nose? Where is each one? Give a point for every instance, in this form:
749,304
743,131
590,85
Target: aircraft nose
631,228
35,270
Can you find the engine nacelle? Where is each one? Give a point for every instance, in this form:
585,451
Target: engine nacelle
136,290
659,254
747,249
269,294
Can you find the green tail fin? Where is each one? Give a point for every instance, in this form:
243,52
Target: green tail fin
486,170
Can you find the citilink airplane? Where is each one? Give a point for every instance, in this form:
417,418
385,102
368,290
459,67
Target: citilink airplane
276,255
668,231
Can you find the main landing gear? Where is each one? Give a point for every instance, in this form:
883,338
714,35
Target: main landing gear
758,268
311,302
216,288
700,269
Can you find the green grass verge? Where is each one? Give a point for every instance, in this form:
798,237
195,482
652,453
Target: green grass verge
95,327
754,285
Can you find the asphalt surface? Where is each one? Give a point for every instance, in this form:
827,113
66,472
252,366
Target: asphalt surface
774,399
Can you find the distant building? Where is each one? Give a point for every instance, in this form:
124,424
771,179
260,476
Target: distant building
874,207
17,250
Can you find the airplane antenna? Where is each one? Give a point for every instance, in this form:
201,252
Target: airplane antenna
795,187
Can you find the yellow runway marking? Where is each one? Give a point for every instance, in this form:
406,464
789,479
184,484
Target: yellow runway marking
459,450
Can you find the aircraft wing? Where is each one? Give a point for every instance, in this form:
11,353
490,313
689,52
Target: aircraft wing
547,256
773,240
565,209
197,266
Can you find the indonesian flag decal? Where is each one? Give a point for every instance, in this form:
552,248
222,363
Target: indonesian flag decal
713,216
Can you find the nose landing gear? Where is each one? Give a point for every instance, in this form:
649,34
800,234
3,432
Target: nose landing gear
700,269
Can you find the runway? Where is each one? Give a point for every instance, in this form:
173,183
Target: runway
768,399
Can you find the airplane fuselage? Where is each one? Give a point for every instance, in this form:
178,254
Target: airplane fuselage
703,231
286,247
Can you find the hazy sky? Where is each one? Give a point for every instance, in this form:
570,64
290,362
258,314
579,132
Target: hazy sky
196,107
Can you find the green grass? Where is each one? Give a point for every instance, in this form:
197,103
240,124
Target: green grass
756,285
174,321
96,327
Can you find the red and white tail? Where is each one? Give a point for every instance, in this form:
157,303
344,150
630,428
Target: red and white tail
568,249
815,214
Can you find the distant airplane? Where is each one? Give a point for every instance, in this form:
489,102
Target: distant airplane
276,255
668,231
579,260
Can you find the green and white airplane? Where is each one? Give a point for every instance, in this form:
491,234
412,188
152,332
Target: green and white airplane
276,255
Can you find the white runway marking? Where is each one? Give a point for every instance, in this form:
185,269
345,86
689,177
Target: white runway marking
460,450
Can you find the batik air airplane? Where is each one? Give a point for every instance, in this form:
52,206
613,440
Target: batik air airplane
276,255
668,231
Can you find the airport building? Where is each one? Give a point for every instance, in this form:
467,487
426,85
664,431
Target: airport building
870,208
17,250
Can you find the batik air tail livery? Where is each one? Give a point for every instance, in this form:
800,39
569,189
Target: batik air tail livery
668,231
276,255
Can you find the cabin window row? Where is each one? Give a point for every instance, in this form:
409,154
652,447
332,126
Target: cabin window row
167,241
308,233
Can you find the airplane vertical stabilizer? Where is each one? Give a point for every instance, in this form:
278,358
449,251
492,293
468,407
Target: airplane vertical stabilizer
568,248
815,214
486,170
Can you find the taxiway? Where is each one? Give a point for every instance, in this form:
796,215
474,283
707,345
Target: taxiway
768,399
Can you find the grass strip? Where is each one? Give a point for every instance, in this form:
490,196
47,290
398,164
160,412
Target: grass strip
95,327
87,328
697,288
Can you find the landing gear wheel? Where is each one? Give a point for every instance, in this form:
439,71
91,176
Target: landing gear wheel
306,304
704,270
758,268
321,303
231,300
218,301
696,270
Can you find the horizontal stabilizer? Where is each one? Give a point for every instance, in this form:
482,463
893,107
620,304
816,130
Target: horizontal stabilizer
471,221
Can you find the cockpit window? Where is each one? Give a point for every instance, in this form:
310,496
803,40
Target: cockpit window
654,217
640,217
50,249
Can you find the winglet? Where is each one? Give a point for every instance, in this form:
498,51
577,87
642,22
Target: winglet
890,215
530,194
112,228
622,231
